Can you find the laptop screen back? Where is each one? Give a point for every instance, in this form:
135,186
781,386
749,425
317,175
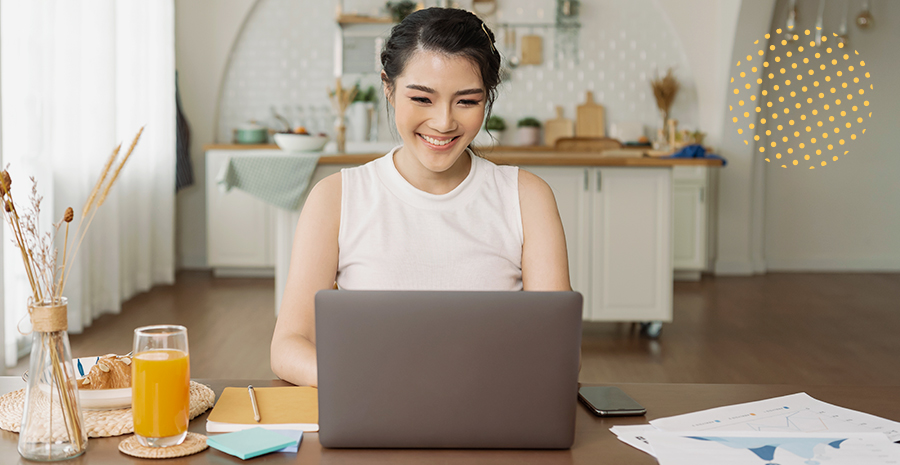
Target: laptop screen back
442,369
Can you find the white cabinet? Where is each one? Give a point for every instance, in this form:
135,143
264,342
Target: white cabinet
239,227
690,227
570,187
618,224
692,220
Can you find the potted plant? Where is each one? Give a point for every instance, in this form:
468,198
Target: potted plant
493,131
360,114
529,131
400,10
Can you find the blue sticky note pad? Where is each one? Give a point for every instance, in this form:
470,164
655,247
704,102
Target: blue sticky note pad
296,435
250,443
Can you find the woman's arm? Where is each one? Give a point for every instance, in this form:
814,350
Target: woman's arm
545,265
314,262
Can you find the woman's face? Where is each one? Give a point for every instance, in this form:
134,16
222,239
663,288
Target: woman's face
439,103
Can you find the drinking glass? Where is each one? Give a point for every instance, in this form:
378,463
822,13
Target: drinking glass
160,380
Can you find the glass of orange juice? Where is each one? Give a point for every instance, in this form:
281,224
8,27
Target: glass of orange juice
160,385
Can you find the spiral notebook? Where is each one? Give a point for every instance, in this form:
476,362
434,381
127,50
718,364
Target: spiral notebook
289,407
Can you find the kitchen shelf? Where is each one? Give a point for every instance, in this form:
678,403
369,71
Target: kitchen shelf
541,25
344,20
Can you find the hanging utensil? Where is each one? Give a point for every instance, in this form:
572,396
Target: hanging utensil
864,18
281,119
791,21
484,8
514,49
819,22
842,30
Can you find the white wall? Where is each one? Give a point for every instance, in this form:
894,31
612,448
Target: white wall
844,216
708,50
204,34
738,207
620,47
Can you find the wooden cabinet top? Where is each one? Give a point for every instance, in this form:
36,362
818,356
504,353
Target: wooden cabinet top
543,156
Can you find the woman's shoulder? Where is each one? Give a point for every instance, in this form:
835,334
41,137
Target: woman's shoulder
326,193
532,184
534,193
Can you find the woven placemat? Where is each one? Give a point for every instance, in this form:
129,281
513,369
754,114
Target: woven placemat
192,444
99,423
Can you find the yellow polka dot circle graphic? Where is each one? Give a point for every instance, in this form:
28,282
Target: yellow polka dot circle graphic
814,100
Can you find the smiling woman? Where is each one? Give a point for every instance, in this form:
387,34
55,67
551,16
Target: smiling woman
429,215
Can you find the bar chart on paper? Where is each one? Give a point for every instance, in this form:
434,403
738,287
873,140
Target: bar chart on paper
777,448
793,413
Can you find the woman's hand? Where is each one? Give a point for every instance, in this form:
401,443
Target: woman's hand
314,262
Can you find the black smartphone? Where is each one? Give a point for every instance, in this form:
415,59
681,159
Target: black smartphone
607,401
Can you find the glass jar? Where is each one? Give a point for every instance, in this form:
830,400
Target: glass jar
52,425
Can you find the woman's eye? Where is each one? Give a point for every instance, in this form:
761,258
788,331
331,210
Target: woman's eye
470,102
420,100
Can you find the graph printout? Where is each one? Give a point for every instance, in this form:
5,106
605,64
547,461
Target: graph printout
794,413
753,448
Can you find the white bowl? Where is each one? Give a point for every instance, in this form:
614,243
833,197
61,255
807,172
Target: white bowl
99,399
300,142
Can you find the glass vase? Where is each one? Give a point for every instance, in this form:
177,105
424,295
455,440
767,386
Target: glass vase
52,423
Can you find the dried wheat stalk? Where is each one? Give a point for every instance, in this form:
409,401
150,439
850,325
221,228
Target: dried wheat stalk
90,207
665,90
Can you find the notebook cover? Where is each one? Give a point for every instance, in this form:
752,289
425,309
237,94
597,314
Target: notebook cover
289,407
250,443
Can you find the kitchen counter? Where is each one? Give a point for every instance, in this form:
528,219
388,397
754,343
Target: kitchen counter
508,155
617,209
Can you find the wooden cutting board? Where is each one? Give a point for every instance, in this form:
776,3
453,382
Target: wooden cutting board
532,50
558,127
590,119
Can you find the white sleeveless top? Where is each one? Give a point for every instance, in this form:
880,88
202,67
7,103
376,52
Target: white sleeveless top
394,236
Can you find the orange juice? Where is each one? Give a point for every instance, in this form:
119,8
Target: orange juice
161,384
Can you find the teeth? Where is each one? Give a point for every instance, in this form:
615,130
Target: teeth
435,141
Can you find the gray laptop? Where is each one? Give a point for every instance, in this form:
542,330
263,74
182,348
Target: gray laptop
440,369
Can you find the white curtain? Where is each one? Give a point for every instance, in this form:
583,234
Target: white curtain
79,77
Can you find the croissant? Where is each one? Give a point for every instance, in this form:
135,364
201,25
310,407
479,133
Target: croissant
110,372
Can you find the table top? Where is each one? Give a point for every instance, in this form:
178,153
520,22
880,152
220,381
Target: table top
593,440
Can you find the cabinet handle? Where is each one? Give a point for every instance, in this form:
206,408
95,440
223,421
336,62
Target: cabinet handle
585,179
598,180
702,190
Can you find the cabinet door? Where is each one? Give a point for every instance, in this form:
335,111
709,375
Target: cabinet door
570,187
689,227
238,226
631,269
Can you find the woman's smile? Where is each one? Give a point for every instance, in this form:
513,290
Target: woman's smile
438,142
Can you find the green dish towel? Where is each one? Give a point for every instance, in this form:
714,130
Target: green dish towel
279,180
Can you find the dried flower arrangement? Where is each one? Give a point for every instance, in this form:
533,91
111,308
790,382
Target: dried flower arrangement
664,90
47,280
341,98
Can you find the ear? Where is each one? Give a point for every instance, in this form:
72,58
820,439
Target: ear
386,88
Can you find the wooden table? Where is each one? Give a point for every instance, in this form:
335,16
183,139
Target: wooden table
593,441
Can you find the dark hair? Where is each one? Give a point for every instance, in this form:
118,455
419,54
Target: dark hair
444,30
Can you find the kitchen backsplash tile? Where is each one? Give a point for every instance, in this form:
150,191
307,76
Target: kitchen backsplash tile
284,58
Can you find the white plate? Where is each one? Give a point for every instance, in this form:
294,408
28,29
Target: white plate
99,399
94,399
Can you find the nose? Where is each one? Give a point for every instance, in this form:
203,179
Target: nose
442,119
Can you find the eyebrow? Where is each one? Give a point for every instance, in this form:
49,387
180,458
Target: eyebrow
431,91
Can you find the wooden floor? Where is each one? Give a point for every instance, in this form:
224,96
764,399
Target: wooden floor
777,328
